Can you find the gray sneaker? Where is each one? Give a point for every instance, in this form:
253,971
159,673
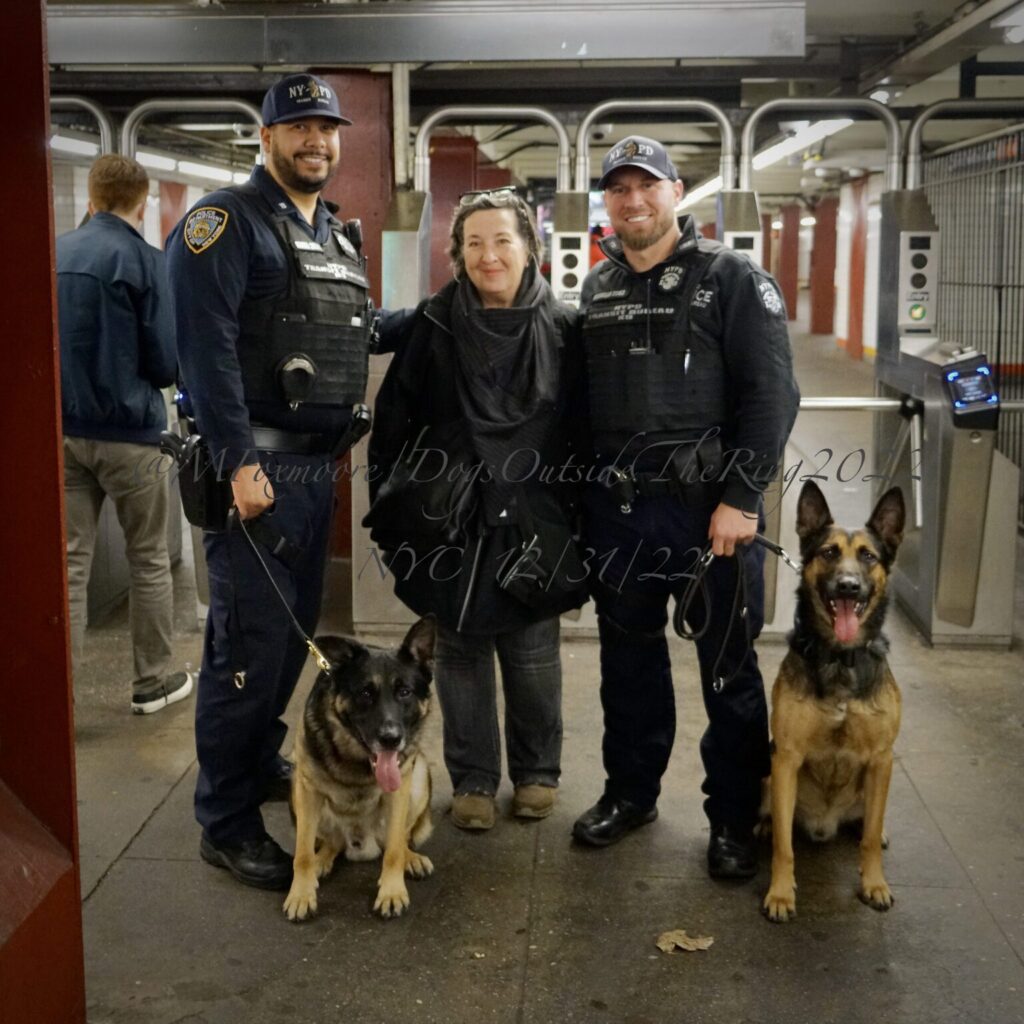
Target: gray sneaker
155,694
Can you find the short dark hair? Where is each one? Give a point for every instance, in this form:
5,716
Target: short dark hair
498,200
117,183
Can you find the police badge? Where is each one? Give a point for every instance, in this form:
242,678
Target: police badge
203,227
670,279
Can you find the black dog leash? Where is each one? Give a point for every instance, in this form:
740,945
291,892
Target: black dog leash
737,612
281,547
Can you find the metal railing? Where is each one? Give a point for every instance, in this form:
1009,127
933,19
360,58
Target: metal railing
139,113
101,117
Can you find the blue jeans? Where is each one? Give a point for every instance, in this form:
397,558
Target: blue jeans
531,678
643,558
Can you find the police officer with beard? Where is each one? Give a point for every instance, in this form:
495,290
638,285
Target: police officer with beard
692,398
273,334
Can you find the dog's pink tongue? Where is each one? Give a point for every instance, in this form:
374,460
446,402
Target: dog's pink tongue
385,767
847,623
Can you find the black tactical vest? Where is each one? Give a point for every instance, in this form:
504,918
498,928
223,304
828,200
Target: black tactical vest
322,320
649,372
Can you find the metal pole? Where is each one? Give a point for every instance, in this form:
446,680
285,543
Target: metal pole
728,160
884,114
824,403
130,128
1015,107
101,117
400,115
421,169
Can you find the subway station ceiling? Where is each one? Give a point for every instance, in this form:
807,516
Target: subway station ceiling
566,56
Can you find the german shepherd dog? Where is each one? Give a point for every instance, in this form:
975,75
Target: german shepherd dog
360,784
835,704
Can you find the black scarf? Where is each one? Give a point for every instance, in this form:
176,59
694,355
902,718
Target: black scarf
507,381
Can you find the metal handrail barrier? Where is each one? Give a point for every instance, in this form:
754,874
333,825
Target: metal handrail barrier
101,117
130,128
728,160
824,403
893,176
421,168
914,162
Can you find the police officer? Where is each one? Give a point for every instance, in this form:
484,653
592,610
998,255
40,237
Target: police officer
271,301
692,398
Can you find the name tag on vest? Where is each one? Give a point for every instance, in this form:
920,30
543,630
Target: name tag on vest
333,272
307,246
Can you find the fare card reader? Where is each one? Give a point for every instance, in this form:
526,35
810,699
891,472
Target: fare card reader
972,392
570,246
918,276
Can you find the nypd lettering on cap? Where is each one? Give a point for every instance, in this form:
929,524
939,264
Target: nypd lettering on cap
204,226
770,297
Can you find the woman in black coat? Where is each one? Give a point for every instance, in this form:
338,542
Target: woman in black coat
473,499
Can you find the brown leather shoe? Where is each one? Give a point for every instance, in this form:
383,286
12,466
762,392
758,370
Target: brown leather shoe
473,811
533,801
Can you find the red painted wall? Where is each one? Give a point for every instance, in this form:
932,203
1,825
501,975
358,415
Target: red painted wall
766,241
789,249
854,342
453,160
823,267
173,205
41,970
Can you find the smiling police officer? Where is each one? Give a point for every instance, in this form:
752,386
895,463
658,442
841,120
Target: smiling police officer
273,334
692,398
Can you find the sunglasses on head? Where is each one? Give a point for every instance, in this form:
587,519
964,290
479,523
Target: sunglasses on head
467,197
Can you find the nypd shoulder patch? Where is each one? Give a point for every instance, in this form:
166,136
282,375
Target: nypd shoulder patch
770,297
204,226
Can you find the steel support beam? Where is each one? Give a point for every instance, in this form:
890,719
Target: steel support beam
423,30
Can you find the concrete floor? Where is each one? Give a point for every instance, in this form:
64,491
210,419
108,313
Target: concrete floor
518,925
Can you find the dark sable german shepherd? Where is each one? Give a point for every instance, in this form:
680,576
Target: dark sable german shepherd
835,704
360,783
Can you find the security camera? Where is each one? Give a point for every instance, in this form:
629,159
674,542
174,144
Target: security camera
246,130
600,132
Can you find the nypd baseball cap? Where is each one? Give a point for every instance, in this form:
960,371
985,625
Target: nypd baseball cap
638,151
299,96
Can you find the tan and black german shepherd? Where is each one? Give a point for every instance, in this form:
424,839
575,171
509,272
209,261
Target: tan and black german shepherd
360,784
835,704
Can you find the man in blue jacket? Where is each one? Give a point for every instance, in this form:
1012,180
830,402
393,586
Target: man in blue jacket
117,349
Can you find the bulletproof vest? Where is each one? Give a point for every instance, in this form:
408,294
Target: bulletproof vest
649,372
308,346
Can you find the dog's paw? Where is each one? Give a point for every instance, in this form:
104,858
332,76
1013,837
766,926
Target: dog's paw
300,902
418,866
392,900
876,895
780,905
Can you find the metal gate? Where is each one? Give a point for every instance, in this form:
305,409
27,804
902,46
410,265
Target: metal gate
976,193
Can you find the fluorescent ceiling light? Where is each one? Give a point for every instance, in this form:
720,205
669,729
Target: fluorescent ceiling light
808,222
776,225
709,188
801,140
67,144
205,171
155,160
881,96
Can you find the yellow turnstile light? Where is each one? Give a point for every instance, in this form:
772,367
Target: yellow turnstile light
918,312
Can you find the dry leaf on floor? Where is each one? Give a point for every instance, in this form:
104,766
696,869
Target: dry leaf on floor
670,942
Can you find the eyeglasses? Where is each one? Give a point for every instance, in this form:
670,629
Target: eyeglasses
467,197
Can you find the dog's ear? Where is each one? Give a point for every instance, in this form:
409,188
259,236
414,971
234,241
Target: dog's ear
419,641
888,519
812,514
340,650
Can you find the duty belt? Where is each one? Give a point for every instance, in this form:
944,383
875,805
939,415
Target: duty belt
627,486
270,439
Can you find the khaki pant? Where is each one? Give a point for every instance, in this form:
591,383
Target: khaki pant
135,477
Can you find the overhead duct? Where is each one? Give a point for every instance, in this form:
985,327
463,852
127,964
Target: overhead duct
270,34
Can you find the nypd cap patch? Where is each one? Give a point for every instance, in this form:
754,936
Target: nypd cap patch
204,226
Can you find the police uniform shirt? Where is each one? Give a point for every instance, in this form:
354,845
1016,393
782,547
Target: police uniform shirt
739,374
221,253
